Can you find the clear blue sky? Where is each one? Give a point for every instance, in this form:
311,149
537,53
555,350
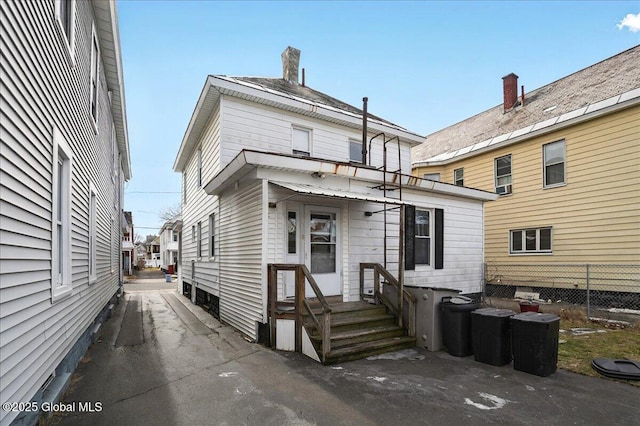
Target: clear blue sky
423,65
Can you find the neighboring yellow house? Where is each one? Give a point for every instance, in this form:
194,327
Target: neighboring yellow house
566,160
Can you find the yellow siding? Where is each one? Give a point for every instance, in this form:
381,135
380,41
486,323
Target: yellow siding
595,216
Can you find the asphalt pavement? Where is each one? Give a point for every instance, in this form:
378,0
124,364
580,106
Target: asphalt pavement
163,361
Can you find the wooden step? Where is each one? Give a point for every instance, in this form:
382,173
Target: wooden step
359,335
355,322
351,309
363,350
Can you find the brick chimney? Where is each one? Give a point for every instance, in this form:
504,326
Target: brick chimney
290,62
510,89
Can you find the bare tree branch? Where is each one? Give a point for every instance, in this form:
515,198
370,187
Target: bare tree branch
170,212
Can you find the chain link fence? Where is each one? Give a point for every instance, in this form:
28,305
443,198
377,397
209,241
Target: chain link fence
612,288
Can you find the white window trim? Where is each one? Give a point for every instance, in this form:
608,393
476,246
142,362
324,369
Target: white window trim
93,216
212,236
199,168
111,241
355,141
199,240
435,177
455,181
61,280
544,166
537,251
94,74
184,187
430,265
303,129
495,173
69,42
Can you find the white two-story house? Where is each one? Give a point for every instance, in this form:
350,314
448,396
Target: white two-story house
275,172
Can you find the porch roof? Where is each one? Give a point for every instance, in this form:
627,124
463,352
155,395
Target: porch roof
334,193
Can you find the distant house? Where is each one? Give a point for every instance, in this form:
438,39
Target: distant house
65,157
275,172
170,245
565,160
128,253
153,253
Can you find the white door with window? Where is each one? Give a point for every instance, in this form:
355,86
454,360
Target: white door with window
322,247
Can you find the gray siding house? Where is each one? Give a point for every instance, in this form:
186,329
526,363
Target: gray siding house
64,158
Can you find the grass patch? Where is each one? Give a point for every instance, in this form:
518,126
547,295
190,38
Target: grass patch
613,341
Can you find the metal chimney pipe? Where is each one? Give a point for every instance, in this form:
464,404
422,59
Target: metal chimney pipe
364,129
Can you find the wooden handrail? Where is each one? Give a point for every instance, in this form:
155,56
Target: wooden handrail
397,309
302,274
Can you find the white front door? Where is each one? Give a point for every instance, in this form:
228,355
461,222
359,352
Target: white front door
323,249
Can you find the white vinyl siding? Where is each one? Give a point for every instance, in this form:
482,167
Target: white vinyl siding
45,113
241,233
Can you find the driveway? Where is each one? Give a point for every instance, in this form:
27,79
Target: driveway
163,361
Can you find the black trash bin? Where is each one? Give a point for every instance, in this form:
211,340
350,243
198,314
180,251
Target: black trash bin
492,335
535,342
456,324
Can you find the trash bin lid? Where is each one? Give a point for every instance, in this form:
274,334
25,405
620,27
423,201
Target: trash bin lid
535,317
494,312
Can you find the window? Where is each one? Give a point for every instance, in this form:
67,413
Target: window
65,16
212,234
554,159
458,177
301,141
193,234
175,236
92,232
184,187
292,240
422,238
61,284
112,243
355,151
199,167
199,239
503,175
432,176
95,77
533,240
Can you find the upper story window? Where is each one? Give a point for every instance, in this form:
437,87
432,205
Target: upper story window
432,176
175,235
458,177
199,239
93,212
355,151
301,141
184,187
554,159
422,243
65,16
95,77
61,284
502,168
212,234
534,240
199,167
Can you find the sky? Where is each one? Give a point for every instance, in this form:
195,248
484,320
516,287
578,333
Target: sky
423,65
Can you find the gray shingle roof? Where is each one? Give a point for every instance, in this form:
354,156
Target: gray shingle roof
611,77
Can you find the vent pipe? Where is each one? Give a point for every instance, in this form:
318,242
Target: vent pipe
364,129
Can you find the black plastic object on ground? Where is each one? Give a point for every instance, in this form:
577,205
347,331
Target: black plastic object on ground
535,342
456,324
491,335
626,369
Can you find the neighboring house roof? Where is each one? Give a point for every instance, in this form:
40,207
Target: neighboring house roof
173,224
282,94
107,30
612,83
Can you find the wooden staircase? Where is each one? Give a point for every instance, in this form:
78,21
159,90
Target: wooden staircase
359,330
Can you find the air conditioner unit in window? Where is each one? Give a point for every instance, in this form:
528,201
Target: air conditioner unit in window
503,189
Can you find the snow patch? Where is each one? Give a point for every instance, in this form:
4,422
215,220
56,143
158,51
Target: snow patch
228,374
496,401
377,379
410,354
530,388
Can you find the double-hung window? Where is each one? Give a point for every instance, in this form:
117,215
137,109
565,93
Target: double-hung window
199,167
65,16
95,77
423,237
212,234
458,177
554,160
301,141
355,151
532,240
61,285
502,168
199,239
432,176
93,205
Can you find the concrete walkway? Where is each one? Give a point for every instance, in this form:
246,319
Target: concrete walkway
163,361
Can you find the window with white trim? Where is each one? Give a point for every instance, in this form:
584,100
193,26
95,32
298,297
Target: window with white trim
530,240
93,206
432,176
355,151
554,159
199,239
458,177
212,234
422,244
61,284
502,167
66,18
95,76
193,233
184,187
301,141
113,243
199,167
